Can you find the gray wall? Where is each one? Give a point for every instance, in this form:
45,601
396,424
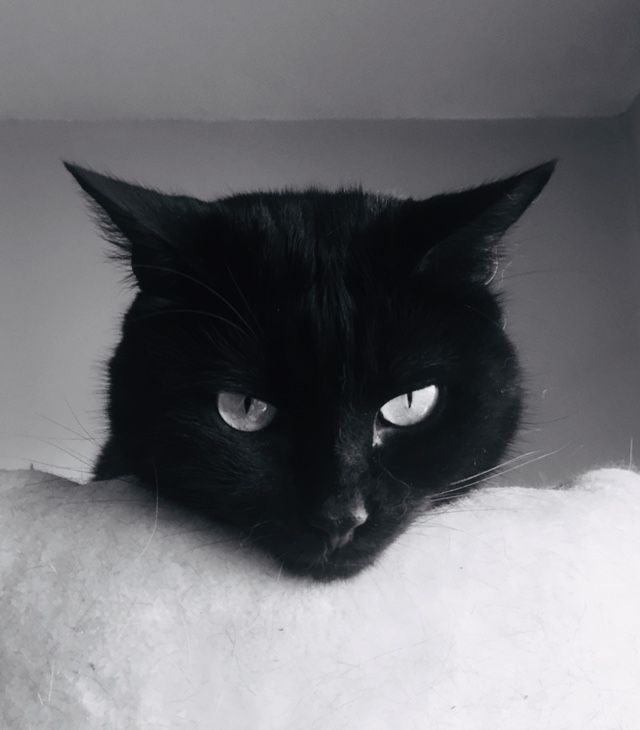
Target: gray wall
632,121
571,287
633,116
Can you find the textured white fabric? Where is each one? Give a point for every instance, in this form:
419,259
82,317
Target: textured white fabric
513,608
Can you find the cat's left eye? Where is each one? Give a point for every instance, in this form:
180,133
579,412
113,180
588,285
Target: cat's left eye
243,412
410,408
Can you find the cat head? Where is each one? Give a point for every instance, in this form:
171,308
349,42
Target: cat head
315,368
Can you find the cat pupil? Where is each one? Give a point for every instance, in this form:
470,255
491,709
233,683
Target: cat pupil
409,398
247,404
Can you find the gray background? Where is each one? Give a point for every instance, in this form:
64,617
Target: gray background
571,286
310,59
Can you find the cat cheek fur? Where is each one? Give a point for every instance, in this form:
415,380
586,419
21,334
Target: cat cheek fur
326,305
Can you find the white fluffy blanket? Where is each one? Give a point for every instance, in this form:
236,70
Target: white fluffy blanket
515,608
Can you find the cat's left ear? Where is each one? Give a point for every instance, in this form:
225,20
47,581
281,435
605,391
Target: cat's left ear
147,227
463,230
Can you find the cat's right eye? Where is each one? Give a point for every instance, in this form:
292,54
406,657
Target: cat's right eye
244,412
410,408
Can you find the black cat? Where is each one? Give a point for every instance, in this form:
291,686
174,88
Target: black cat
312,367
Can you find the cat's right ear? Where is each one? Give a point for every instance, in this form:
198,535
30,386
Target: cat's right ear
459,234
145,226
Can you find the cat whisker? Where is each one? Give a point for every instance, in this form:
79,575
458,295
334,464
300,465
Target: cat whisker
249,536
51,437
538,272
484,316
546,455
219,341
560,419
394,477
201,312
446,494
85,436
74,455
495,468
455,510
405,499
473,479
80,424
215,293
451,493
244,299
232,540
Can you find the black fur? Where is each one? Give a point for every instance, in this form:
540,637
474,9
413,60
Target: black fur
327,305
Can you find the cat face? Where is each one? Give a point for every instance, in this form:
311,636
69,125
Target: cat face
314,368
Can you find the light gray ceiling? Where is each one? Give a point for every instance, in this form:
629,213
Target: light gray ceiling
301,59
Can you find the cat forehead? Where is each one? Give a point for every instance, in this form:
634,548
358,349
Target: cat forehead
300,210
299,237
314,196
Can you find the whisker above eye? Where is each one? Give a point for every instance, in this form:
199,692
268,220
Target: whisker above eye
244,299
200,312
208,288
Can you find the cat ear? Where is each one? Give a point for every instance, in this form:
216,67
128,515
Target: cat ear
463,230
145,226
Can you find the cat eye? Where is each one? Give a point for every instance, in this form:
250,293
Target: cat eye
243,412
410,408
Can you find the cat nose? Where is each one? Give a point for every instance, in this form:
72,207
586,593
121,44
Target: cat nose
339,525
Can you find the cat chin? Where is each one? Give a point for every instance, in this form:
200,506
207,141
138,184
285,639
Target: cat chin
341,564
321,563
